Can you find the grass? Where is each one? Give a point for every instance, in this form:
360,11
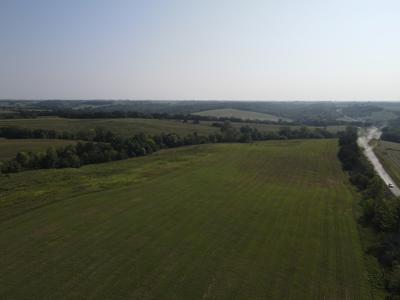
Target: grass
389,155
123,127
241,114
274,127
130,126
10,147
271,220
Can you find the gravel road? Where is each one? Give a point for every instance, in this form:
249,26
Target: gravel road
365,136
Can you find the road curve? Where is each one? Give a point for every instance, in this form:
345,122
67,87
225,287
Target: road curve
365,136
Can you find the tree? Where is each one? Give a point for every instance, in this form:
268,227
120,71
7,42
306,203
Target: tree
394,280
23,159
12,166
230,133
386,216
50,160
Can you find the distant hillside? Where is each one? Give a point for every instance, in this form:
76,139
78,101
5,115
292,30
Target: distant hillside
241,114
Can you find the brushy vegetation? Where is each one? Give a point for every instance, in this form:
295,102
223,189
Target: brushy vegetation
104,146
268,220
381,210
10,147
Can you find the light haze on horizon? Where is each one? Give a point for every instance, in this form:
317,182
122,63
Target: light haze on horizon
218,50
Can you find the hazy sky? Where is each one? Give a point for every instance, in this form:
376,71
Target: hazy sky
205,49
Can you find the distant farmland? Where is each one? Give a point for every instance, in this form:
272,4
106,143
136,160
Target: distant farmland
127,127
270,220
241,114
389,155
9,148
123,127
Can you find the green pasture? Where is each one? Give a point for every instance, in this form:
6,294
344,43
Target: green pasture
270,220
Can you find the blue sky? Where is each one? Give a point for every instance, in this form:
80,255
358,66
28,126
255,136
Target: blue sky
206,49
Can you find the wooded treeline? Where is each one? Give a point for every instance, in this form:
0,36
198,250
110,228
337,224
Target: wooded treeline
101,145
391,132
380,209
322,118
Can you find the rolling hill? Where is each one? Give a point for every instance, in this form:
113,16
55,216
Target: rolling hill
241,114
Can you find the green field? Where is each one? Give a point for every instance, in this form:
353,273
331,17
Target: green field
10,147
123,127
389,155
129,126
241,114
275,127
270,220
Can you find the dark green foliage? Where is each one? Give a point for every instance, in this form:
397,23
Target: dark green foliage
349,153
391,132
102,145
361,110
25,133
229,133
381,210
394,281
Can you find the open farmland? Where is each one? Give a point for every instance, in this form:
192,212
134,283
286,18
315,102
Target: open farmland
123,127
389,155
10,147
270,220
130,126
276,127
240,114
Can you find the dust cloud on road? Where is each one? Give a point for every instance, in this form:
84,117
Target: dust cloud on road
365,136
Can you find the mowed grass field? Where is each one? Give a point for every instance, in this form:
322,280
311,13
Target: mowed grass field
241,114
389,155
123,127
130,126
10,147
270,220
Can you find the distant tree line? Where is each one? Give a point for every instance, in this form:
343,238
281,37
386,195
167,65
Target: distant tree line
117,114
302,113
391,132
391,135
19,114
228,133
101,145
97,113
380,209
14,132
360,110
